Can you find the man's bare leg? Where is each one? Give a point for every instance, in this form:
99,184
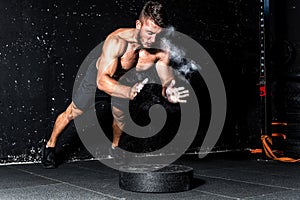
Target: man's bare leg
118,125
117,132
48,152
62,121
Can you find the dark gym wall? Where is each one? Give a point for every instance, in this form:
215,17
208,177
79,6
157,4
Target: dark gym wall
286,71
42,44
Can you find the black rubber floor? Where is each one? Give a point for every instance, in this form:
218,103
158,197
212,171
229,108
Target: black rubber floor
215,177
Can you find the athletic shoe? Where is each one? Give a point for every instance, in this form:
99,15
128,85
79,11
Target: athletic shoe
48,157
118,155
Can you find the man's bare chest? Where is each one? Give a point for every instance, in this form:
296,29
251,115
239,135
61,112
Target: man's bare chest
141,59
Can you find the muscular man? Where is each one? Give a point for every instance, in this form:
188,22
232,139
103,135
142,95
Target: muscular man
123,50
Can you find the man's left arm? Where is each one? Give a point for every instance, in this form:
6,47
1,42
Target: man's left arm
165,73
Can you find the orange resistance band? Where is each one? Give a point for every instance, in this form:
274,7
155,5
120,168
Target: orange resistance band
266,140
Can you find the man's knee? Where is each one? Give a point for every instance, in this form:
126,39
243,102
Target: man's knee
119,118
118,124
118,114
72,112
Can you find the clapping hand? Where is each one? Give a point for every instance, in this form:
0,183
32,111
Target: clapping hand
176,94
137,88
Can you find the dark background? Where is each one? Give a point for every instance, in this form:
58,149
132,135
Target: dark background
43,43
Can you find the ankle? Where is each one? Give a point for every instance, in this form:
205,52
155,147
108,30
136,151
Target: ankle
114,145
50,144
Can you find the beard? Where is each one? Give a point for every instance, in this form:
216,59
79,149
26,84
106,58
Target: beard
144,44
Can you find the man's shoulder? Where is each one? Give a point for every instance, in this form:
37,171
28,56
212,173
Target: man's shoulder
117,41
114,40
122,33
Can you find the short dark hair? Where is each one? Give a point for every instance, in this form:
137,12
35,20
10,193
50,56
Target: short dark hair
155,11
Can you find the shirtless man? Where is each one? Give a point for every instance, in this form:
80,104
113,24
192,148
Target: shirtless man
123,50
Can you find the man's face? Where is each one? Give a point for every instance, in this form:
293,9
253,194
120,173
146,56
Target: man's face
148,32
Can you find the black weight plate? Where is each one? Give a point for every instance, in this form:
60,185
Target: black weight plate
142,178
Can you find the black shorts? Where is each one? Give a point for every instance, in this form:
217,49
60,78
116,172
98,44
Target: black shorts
84,96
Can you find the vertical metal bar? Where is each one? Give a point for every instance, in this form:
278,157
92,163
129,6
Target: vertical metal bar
264,79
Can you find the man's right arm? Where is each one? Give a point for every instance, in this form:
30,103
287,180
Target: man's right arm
107,64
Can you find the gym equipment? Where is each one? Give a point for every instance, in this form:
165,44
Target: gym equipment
155,178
